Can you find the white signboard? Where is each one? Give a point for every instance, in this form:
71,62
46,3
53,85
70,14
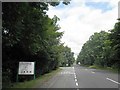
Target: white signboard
26,68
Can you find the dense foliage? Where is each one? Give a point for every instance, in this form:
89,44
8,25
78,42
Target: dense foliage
102,49
28,34
66,57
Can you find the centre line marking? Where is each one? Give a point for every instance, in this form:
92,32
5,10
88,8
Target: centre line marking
112,80
76,84
93,72
75,77
75,80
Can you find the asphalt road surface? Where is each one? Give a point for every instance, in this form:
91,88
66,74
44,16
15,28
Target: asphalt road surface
0,78
82,77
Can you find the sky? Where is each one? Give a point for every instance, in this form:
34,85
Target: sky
82,18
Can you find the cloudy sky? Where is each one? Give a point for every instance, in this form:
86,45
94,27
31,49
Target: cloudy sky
80,19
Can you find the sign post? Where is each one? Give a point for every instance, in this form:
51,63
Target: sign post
17,77
34,70
26,68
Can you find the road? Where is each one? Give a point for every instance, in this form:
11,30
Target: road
0,78
82,77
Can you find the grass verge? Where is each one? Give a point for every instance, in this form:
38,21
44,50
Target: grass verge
33,83
104,68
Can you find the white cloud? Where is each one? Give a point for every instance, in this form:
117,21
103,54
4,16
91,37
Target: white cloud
79,21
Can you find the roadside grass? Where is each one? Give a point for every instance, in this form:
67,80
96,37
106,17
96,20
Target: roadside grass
85,65
38,81
114,70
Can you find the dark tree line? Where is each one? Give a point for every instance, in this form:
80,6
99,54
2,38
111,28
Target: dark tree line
102,49
28,34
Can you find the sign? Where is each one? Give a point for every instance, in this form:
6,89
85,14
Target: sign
26,68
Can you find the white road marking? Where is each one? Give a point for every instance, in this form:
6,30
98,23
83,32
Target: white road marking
75,77
65,72
76,84
112,80
93,72
75,80
85,69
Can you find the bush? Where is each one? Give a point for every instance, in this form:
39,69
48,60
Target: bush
115,66
93,67
6,82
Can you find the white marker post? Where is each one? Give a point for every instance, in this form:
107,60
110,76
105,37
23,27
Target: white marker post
79,63
26,68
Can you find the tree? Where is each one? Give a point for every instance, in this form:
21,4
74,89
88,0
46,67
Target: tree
66,56
115,43
95,49
102,49
28,34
